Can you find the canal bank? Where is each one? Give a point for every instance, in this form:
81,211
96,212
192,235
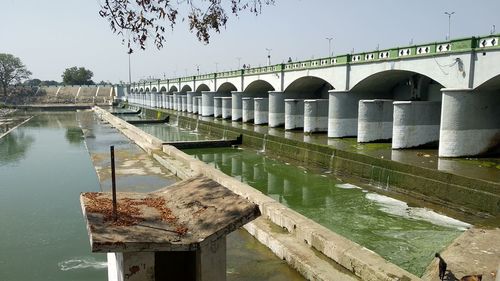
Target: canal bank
478,197
307,246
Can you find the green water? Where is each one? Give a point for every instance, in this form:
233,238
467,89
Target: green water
407,236
167,132
43,169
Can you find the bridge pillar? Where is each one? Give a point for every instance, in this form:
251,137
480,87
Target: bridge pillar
184,103
294,114
171,101
276,109
470,123
375,120
175,101
190,99
416,123
236,106
261,107
315,115
227,107
196,104
248,110
217,107
207,103
343,114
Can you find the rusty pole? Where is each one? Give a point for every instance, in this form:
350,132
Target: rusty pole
113,182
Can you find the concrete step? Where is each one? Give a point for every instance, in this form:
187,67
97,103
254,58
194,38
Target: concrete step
310,263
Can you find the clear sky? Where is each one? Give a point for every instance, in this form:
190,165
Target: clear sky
52,35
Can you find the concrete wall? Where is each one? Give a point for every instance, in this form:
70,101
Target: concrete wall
315,115
294,114
375,120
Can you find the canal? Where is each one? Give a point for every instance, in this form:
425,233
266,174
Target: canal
44,165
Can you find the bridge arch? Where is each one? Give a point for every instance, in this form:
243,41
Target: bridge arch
147,89
226,88
309,87
259,86
202,87
399,85
185,89
492,84
163,89
141,90
173,89
154,90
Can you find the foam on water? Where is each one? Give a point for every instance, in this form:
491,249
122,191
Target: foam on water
400,208
82,263
347,186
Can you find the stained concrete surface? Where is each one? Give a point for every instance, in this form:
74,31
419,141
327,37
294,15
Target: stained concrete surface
476,251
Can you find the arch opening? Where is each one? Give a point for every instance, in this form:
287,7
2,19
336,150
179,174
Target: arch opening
491,85
186,89
226,88
259,87
400,85
163,89
201,88
154,90
310,87
173,89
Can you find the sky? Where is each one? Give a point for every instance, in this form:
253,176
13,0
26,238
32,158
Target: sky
52,35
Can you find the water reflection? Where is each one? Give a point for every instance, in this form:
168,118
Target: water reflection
13,147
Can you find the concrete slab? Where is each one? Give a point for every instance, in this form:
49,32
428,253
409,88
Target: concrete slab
182,217
476,251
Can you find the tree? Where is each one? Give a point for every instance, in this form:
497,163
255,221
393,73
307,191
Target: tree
12,70
77,76
141,19
32,82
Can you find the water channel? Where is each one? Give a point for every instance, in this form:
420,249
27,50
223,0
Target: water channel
44,165
406,235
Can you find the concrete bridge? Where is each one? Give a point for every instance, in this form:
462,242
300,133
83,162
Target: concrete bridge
442,93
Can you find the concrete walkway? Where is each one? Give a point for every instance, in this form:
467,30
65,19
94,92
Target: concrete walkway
476,251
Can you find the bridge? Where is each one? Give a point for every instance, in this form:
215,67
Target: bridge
441,93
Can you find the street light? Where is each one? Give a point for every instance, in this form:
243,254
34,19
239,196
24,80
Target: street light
216,67
239,62
198,69
268,56
329,45
449,23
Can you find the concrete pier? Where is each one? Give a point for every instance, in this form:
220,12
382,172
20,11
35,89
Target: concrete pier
375,120
261,111
171,101
248,110
416,123
236,106
294,114
194,106
164,100
176,101
226,107
276,109
217,107
207,103
199,104
470,123
189,100
342,114
315,115
183,103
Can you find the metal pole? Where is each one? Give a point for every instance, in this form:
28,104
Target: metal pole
449,23
329,45
129,71
239,62
113,182
268,56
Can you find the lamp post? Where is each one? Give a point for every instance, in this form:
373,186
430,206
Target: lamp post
198,69
449,23
239,62
329,45
216,67
129,70
268,56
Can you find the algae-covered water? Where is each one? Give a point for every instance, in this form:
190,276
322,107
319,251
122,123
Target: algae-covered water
407,236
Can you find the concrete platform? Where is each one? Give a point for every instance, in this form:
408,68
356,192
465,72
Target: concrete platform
178,218
150,121
476,251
